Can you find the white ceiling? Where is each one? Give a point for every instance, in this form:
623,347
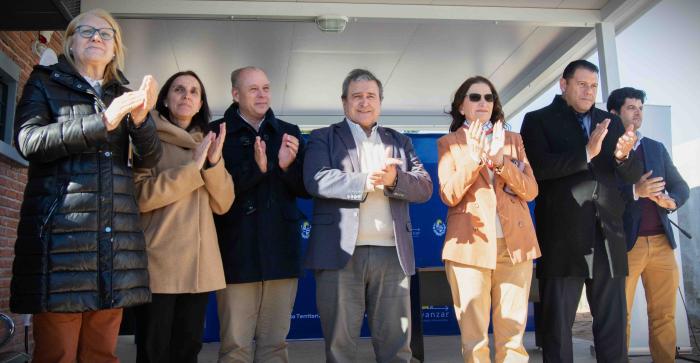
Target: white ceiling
420,58
561,4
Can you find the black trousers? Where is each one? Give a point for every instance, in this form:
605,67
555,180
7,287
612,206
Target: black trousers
606,298
170,328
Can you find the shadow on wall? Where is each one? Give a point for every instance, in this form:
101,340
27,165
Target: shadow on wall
689,219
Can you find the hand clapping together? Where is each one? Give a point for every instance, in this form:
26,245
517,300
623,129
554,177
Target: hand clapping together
625,143
210,147
481,149
138,103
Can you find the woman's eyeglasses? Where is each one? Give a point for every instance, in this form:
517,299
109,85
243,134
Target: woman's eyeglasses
88,32
476,97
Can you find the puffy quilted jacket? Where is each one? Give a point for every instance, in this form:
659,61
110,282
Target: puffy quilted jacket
79,244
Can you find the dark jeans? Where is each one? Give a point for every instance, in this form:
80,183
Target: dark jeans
170,328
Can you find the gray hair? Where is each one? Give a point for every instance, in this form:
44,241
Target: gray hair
236,74
356,75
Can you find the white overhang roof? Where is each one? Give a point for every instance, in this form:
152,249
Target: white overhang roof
421,49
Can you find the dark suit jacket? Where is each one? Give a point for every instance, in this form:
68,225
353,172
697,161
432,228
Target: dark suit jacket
656,158
332,176
575,195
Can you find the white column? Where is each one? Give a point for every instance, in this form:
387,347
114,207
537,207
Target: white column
607,58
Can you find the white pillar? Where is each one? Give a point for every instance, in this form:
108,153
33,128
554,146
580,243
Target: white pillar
607,58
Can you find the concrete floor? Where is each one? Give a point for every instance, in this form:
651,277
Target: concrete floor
438,349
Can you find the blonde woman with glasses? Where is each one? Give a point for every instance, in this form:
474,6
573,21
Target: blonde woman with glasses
80,253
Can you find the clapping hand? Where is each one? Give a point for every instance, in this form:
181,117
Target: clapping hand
384,177
260,154
288,151
653,188
120,107
149,86
595,141
214,154
390,171
494,150
374,180
663,200
476,140
648,187
200,153
625,143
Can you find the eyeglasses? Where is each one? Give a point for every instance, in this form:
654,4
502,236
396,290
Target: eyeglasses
88,32
476,97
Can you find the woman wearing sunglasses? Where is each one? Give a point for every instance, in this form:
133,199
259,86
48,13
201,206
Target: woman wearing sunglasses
486,181
80,253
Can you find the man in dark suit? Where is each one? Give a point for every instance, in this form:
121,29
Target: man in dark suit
579,155
362,177
650,241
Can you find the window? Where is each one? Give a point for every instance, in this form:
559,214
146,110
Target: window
9,80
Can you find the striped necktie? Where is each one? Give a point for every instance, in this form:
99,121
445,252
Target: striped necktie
580,117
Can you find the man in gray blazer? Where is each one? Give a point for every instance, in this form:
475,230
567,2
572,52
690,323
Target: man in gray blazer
362,177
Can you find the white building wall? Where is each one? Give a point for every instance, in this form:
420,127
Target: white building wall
660,54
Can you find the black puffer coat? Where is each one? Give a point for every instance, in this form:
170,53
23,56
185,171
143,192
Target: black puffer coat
79,244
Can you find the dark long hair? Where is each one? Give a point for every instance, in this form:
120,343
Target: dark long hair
201,119
458,118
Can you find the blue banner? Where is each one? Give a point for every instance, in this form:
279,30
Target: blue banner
429,226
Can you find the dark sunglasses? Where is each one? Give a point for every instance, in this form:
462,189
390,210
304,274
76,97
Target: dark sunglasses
88,32
476,97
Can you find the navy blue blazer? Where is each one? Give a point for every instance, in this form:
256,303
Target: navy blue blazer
332,176
656,158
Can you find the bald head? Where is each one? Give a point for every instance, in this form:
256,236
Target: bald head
250,88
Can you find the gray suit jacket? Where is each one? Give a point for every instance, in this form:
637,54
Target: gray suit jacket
332,176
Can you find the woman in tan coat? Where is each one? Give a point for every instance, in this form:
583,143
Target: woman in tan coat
486,181
177,199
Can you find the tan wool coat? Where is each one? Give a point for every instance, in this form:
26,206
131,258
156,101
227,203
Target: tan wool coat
474,201
177,201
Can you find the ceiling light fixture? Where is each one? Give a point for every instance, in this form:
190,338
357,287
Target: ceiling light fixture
331,23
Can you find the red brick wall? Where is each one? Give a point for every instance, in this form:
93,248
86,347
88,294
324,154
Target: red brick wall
18,47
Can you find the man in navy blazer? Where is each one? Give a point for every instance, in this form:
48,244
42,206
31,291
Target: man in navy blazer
650,242
362,177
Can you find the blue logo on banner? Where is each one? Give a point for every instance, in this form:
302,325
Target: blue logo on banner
305,230
439,228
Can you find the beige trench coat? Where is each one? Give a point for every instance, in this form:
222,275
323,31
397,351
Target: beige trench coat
177,201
